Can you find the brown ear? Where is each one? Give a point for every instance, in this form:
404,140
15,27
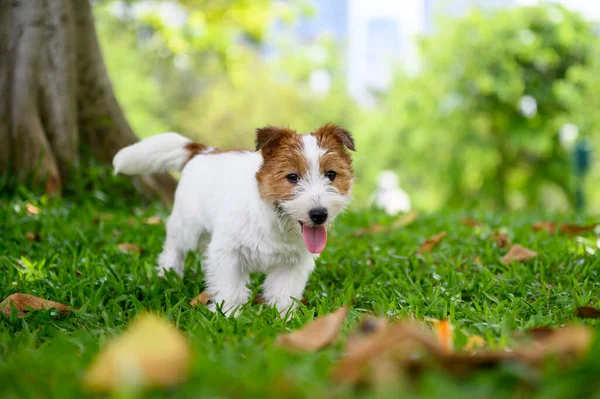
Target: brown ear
270,136
342,136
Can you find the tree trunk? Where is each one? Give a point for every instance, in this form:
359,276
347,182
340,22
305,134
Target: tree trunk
58,103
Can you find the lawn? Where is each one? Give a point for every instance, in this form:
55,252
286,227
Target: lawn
71,255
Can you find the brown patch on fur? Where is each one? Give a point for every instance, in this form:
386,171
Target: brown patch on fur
282,152
329,133
193,149
217,151
199,149
335,140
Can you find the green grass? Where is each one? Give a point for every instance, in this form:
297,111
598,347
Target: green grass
77,262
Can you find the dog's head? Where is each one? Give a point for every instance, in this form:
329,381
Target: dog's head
306,177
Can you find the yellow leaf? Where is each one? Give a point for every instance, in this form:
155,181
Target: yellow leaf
151,353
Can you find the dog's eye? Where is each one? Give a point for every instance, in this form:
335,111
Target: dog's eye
292,178
330,174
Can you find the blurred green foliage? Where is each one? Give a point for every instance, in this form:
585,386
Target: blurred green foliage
478,124
205,76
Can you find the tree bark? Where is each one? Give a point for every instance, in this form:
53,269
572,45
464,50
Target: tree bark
59,104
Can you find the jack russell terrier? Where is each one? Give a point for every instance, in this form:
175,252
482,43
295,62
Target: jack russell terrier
265,211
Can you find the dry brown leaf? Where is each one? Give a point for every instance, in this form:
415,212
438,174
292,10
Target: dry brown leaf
151,353
129,248
567,228
548,227
32,236
316,335
400,342
444,332
202,299
431,242
540,333
502,240
518,253
404,220
565,344
23,302
470,222
373,229
153,220
32,209
413,350
575,229
587,312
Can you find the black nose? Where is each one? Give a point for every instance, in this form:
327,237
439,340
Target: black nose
318,215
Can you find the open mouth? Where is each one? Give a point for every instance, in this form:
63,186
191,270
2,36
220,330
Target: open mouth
315,237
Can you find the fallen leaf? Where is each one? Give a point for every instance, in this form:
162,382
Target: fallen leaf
151,353
587,312
399,342
501,239
431,242
129,248
317,334
574,229
404,220
478,261
413,349
548,227
518,253
444,332
565,344
24,302
373,229
32,236
202,299
153,220
474,341
539,333
470,222
567,228
32,209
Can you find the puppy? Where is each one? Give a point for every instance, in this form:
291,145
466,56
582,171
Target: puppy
246,211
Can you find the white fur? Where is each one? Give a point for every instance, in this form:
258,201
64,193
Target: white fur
218,209
160,153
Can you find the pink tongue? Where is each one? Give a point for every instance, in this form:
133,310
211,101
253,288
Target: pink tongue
315,238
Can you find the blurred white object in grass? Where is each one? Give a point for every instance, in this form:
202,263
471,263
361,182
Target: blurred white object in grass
389,196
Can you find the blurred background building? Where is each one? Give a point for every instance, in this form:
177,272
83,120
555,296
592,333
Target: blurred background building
380,35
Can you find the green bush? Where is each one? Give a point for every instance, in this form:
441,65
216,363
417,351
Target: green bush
455,131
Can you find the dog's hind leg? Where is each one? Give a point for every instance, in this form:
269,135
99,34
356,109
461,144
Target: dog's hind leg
182,236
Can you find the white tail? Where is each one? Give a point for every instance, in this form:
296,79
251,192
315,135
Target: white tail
160,153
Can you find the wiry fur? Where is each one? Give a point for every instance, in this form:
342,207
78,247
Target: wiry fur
240,210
